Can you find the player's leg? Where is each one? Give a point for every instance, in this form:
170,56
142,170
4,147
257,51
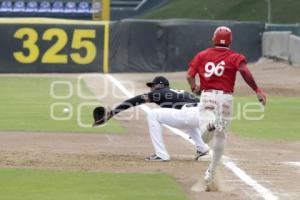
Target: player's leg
209,99
217,153
183,119
196,135
207,136
155,131
189,118
223,122
202,148
172,117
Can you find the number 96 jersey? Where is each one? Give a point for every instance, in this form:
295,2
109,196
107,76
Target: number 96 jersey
216,68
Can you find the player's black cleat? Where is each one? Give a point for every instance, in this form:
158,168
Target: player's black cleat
200,154
155,158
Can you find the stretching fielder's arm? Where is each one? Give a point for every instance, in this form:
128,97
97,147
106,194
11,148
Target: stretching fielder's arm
135,101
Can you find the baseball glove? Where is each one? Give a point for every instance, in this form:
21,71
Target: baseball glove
101,115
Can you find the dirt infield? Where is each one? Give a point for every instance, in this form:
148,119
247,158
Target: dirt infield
263,160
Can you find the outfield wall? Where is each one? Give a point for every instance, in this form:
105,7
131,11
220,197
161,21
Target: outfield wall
42,45
283,45
169,45
70,46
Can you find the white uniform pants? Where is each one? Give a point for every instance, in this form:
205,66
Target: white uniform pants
193,119
223,104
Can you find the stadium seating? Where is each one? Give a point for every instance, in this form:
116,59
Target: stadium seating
75,9
6,6
32,6
57,7
44,7
70,7
96,7
83,7
19,6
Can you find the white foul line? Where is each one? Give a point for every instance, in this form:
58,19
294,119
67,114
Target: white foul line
297,164
264,192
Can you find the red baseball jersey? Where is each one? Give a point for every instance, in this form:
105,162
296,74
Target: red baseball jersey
216,68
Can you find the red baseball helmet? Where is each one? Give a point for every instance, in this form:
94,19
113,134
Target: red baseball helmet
222,36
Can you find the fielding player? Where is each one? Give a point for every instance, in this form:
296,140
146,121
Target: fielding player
170,101
217,68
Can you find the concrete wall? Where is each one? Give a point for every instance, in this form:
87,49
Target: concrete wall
276,44
294,56
70,46
281,44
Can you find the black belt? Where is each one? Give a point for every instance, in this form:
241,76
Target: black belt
191,105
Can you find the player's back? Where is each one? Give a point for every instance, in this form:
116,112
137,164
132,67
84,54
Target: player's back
217,68
171,98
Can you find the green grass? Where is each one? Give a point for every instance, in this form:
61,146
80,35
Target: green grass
280,121
180,85
25,105
25,184
242,10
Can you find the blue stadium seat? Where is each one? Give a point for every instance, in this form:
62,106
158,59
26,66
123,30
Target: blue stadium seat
70,7
19,6
6,6
32,6
57,7
83,7
45,7
96,7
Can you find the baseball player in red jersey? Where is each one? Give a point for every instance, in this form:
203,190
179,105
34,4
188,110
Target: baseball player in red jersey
217,68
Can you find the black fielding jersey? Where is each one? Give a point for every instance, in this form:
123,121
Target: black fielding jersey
165,98
171,98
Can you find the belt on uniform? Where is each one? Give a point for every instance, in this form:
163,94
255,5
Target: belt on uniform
187,105
217,91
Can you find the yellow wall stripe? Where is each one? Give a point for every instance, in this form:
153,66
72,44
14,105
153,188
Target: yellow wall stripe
106,48
105,10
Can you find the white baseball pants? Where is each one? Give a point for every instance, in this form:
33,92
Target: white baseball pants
223,104
193,119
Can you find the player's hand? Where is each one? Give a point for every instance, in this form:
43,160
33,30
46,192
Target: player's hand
196,90
262,97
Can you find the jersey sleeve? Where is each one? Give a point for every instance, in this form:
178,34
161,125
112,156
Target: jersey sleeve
135,101
193,66
238,59
247,76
